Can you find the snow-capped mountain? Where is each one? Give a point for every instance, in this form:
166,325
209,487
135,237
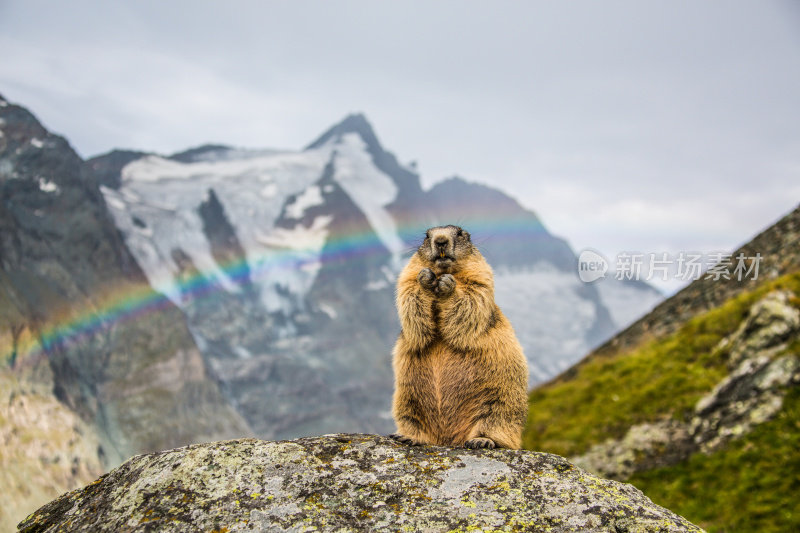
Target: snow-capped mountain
284,264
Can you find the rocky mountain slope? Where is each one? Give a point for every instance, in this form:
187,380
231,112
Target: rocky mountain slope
46,448
351,483
284,264
697,403
81,388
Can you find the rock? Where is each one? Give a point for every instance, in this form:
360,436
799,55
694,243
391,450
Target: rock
46,448
770,322
753,392
350,482
644,446
749,396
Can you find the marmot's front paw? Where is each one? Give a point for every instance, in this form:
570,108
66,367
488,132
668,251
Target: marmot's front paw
427,279
405,440
479,442
445,285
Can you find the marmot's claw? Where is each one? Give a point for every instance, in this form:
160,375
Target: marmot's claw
403,439
427,278
445,285
480,442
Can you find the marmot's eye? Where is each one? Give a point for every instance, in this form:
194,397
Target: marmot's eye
460,233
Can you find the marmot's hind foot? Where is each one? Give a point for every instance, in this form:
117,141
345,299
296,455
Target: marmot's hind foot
405,440
480,442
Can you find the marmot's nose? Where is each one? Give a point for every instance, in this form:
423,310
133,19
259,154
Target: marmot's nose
440,241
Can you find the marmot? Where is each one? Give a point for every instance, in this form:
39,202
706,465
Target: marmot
460,374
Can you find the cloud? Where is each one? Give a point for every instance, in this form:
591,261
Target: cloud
623,124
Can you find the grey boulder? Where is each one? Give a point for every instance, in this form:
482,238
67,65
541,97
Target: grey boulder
351,482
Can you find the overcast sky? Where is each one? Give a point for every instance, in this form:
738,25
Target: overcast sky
627,126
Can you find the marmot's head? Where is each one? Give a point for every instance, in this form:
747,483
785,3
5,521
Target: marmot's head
444,247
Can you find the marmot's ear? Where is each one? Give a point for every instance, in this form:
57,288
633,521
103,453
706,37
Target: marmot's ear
466,235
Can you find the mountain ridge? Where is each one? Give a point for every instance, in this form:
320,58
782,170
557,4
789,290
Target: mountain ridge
497,221
407,181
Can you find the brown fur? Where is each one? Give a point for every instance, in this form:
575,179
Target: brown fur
460,374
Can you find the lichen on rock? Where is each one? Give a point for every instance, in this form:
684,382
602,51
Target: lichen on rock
350,482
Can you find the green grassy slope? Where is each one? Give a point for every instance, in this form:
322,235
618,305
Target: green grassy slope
605,395
752,485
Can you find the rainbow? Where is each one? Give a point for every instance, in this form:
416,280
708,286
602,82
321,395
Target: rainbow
131,300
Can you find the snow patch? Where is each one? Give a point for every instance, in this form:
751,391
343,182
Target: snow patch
553,330
300,238
310,197
129,195
242,352
158,268
37,143
145,231
173,229
370,189
388,280
269,190
291,263
8,168
376,285
48,186
312,266
112,198
155,168
328,310
252,187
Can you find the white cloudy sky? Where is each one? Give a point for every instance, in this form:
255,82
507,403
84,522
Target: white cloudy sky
636,125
